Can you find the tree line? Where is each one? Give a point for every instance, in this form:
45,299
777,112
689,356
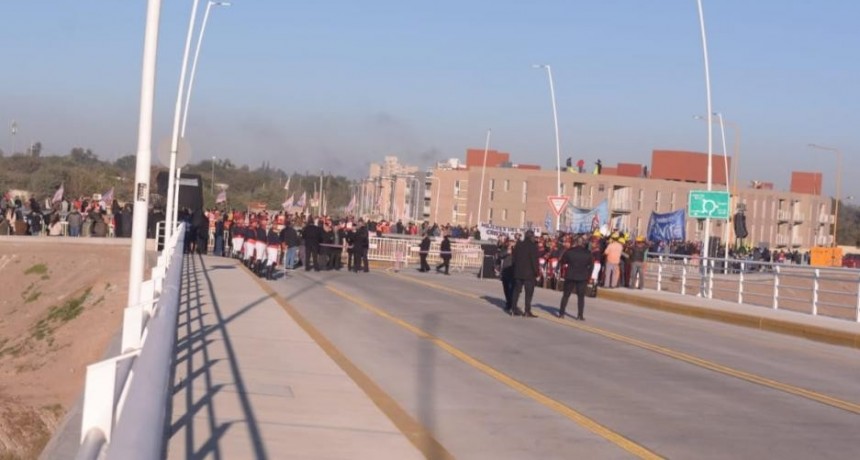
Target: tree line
83,173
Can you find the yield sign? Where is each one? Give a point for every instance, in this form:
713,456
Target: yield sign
557,203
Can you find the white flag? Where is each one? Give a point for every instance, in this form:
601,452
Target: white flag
351,205
58,195
107,198
289,203
301,202
222,197
287,185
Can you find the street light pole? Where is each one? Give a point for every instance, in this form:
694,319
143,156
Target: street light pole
557,141
483,171
14,129
709,112
144,154
209,6
172,186
838,186
213,177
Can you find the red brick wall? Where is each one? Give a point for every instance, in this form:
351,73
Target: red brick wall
687,166
475,158
806,182
629,170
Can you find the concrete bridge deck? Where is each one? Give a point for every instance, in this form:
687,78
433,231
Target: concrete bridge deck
410,365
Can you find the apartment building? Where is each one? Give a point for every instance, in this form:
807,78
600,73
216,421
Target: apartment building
391,191
516,196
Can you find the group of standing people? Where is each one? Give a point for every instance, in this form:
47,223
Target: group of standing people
520,270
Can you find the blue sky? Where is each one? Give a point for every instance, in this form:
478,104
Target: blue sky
337,84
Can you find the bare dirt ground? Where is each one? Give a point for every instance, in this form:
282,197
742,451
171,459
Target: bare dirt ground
60,304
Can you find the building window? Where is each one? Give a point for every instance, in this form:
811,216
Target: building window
490,215
492,184
641,198
657,201
562,188
673,201
525,191
522,218
504,214
457,188
507,185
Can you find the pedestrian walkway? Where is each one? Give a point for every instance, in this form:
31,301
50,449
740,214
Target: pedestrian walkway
250,382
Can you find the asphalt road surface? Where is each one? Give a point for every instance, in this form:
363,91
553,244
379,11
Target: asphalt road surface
627,382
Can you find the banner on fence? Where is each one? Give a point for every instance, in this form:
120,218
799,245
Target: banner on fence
587,220
667,227
493,232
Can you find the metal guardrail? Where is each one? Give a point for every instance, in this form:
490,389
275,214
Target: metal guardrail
125,397
405,251
832,292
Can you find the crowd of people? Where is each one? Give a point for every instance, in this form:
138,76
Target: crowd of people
582,262
80,217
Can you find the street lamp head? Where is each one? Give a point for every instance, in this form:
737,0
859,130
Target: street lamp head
540,66
220,3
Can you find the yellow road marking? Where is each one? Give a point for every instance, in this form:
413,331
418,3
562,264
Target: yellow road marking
586,422
703,363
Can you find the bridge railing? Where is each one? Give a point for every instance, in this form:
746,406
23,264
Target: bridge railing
405,251
826,291
125,397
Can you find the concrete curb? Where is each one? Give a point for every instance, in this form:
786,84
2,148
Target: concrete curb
751,320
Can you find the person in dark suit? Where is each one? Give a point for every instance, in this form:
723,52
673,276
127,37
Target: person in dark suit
423,251
506,271
445,254
360,247
579,265
525,258
313,237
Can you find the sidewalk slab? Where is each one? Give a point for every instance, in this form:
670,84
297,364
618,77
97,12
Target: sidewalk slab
251,383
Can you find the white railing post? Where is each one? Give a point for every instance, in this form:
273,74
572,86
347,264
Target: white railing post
816,275
659,273
741,283
709,272
684,277
99,393
857,316
775,286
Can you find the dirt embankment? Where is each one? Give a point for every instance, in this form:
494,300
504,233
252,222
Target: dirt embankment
60,304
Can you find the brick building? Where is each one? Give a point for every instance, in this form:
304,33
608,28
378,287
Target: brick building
516,196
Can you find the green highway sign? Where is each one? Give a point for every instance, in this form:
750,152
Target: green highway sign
703,204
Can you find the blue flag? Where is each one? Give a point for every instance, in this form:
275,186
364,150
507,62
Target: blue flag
667,227
548,222
587,220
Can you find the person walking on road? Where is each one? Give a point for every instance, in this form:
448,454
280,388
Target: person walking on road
526,270
445,254
423,251
506,271
579,264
